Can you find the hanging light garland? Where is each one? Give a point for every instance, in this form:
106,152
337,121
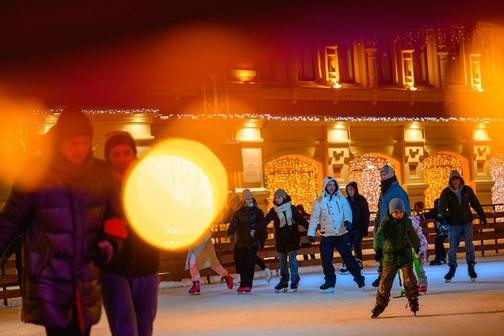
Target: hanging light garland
297,175
437,168
365,170
497,172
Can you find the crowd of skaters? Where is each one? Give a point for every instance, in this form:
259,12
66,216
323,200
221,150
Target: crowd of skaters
79,251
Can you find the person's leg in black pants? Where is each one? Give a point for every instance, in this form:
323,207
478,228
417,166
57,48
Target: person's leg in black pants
342,245
241,254
250,262
327,254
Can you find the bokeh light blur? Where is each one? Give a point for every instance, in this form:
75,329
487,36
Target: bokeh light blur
174,193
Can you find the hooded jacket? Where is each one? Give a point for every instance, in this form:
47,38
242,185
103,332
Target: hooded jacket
455,207
331,211
393,191
424,244
396,238
287,235
244,220
62,218
360,211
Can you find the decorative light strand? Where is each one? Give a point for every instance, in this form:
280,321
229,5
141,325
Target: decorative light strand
497,172
365,170
297,175
437,168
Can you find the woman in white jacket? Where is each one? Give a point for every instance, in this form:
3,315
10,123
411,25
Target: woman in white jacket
334,214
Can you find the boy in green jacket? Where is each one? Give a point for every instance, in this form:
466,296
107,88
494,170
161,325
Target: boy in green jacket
393,242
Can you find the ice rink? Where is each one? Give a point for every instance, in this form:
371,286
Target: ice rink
457,308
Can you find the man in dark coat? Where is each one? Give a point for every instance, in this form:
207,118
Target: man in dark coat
455,206
68,218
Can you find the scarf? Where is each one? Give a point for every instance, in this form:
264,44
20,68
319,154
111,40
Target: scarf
284,213
385,185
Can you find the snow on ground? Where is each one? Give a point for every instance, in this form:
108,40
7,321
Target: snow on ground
457,308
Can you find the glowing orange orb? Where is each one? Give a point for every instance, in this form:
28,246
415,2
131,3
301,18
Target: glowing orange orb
174,193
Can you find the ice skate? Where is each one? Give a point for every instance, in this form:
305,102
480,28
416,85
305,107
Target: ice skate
282,286
451,273
326,288
195,289
471,272
377,310
413,304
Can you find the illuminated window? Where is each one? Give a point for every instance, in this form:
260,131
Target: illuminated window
408,69
298,175
365,170
476,72
437,168
332,68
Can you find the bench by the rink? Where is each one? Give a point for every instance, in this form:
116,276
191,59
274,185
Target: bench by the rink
487,240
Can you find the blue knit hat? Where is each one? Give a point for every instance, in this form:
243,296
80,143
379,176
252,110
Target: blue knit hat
396,204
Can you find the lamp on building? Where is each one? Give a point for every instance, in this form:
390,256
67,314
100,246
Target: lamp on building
335,84
243,75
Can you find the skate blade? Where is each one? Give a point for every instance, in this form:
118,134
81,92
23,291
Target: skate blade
473,279
293,290
447,280
283,290
197,293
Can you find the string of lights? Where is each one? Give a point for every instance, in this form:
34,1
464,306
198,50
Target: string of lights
297,175
497,173
365,170
437,168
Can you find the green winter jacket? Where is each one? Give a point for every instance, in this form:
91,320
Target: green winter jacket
396,239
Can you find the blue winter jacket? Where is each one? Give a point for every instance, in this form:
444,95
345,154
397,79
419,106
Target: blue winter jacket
394,191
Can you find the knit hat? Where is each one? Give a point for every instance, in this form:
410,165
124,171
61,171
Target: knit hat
396,204
72,123
281,193
388,170
246,193
118,138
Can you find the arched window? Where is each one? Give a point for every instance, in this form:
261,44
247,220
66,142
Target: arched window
437,168
298,175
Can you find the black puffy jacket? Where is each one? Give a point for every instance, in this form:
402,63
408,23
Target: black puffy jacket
360,211
244,220
61,220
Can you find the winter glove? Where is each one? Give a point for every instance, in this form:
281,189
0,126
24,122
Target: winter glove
348,225
378,255
483,221
417,251
311,239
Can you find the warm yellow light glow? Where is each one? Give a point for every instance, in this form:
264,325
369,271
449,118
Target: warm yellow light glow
299,176
480,133
413,133
365,170
437,168
249,134
20,128
243,75
335,84
174,193
497,171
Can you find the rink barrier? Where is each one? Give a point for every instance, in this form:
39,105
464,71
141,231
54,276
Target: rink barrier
487,240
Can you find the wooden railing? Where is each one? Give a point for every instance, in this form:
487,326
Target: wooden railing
489,239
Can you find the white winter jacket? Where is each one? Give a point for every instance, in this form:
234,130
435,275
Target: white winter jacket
331,211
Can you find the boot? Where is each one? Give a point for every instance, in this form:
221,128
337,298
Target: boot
361,282
413,304
451,273
377,310
229,280
282,286
294,287
471,271
326,287
376,283
195,289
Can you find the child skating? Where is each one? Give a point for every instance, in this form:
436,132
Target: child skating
395,239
